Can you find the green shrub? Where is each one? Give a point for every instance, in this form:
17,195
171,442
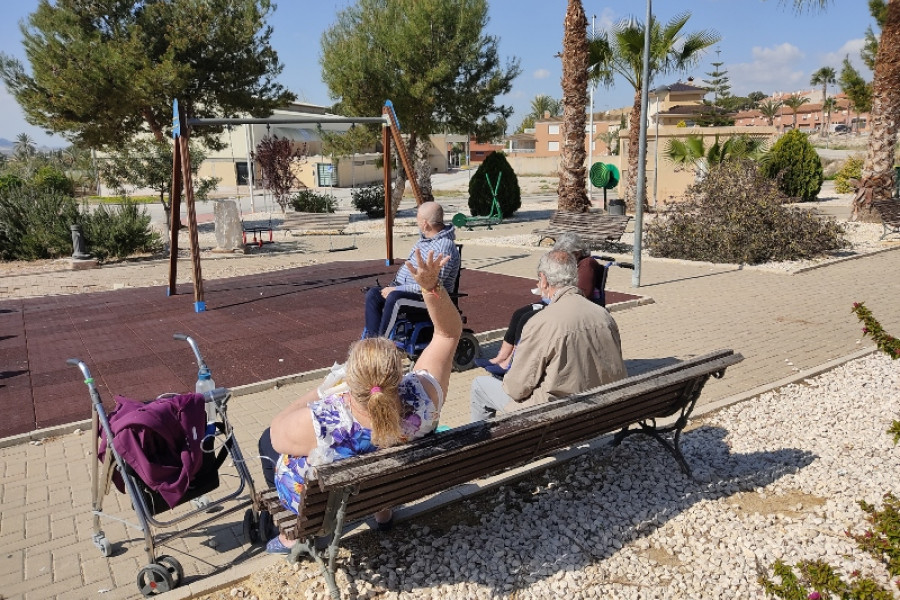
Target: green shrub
307,200
53,180
36,224
735,215
370,200
852,169
119,231
10,181
796,165
508,194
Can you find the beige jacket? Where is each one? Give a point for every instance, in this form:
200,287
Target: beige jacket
571,346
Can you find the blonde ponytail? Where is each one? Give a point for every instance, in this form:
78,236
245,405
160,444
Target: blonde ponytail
374,372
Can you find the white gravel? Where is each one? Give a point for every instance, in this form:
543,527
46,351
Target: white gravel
778,476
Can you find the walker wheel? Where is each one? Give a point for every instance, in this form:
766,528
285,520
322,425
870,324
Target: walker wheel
200,503
170,564
459,220
267,528
466,352
154,579
251,527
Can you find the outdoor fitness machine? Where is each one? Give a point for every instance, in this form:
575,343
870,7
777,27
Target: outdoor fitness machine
494,217
607,177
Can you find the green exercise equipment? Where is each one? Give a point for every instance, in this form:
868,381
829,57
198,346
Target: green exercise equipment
494,217
605,177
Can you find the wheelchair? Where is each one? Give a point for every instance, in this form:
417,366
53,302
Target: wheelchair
412,329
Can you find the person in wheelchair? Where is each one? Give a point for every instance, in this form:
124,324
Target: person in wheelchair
383,304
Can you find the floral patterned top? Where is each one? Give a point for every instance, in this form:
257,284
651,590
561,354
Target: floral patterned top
341,436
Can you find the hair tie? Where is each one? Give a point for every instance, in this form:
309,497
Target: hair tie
375,390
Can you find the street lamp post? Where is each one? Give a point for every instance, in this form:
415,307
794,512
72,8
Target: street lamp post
590,185
642,156
657,92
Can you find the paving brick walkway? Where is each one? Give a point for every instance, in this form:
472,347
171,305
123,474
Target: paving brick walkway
782,324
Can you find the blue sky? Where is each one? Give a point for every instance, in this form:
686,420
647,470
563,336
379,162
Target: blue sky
765,46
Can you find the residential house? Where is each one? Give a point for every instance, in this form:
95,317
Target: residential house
810,117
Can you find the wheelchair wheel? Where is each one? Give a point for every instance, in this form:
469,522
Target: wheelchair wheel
467,350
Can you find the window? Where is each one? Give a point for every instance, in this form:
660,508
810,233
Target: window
553,130
553,147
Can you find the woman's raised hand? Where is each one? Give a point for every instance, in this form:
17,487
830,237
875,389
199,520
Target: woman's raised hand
428,272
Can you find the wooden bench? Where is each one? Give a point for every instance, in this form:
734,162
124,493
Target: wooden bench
890,216
357,487
297,222
597,229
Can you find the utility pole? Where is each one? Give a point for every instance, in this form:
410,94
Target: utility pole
590,186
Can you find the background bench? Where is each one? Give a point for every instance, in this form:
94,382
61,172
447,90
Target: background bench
261,230
299,222
357,487
890,216
597,229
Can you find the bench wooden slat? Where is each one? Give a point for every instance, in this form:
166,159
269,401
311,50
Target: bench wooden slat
302,221
359,468
594,228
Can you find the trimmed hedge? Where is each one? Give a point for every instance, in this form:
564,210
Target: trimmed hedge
508,194
796,165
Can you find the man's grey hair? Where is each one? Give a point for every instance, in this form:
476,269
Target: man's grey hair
559,267
571,243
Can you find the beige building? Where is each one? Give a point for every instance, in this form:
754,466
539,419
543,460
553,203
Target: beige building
231,164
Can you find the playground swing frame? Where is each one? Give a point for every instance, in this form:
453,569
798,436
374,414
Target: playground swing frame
181,178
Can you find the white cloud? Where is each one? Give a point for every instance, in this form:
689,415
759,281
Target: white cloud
541,74
772,69
850,49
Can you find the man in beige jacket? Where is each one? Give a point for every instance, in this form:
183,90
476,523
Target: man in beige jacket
571,346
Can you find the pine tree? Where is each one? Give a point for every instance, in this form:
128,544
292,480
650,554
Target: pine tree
718,83
103,72
430,58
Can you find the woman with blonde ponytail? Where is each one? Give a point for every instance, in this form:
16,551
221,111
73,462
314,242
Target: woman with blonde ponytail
381,406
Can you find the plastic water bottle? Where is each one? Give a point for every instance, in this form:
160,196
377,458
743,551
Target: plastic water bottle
205,384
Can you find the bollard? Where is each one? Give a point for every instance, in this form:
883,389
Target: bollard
78,243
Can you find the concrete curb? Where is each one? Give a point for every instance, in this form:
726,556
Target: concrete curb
469,490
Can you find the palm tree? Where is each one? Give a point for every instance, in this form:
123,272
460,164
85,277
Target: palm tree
543,104
823,77
828,107
671,50
877,181
771,109
24,146
794,102
575,63
692,151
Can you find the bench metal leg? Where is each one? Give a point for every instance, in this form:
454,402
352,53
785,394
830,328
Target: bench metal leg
653,431
334,524
649,427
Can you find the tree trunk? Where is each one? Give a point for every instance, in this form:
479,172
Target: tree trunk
877,181
423,169
634,134
575,58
